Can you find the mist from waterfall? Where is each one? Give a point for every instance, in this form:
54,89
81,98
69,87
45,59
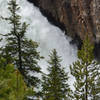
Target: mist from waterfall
40,30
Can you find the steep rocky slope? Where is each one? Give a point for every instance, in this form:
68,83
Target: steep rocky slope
77,17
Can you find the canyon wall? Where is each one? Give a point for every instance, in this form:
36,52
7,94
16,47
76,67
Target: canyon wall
76,17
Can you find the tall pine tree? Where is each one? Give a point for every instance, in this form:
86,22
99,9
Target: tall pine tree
19,50
55,83
86,72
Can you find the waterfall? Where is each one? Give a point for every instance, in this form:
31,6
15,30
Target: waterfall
41,31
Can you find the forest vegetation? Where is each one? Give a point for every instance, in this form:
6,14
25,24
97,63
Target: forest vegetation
20,56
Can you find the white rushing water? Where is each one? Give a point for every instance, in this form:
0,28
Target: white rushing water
41,31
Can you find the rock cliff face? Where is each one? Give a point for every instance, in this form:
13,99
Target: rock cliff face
77,17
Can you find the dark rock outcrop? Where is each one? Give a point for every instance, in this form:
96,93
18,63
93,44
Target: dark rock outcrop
76,17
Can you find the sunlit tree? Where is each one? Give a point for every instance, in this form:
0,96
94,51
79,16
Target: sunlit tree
86,72
12,85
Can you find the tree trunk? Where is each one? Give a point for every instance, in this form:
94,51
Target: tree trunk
86,86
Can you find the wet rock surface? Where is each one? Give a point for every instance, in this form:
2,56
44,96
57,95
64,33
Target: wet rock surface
76,17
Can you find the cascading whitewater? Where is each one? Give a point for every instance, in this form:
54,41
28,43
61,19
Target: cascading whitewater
40,30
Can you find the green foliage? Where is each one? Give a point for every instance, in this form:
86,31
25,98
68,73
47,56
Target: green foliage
86,52
2,62
12,85
19,50
54,84
86,72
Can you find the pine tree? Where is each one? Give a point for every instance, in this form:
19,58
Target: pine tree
54,84
86,72
19,50
12,85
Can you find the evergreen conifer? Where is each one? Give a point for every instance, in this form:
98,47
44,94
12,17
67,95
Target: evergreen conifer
55,83
19,50
86,72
